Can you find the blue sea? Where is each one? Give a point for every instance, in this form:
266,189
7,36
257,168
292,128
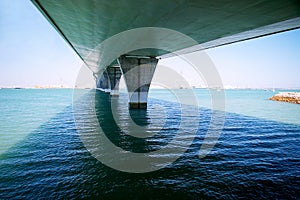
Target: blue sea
42,154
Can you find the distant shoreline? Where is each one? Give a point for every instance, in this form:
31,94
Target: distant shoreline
58,87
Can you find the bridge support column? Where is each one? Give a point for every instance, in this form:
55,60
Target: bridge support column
103,83
138,73
114,74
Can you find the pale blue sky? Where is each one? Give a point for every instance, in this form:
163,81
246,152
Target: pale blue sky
33,53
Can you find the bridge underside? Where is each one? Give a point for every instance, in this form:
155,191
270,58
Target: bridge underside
86,24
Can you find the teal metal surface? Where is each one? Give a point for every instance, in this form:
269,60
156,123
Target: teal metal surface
86,24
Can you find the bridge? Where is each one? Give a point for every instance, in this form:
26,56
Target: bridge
86,25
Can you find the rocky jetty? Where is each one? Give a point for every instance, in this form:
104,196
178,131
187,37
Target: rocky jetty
291,97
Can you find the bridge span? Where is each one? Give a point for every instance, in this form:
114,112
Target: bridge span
87,24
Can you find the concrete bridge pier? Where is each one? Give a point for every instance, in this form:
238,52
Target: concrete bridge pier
114,74
138,72
103,82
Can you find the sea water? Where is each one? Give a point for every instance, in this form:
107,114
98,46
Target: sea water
42,155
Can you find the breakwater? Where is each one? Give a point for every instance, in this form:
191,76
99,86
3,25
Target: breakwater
291,97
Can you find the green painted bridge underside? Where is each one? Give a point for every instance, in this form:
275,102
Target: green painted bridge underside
86,23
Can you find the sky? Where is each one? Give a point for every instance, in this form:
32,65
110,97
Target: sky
33,53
